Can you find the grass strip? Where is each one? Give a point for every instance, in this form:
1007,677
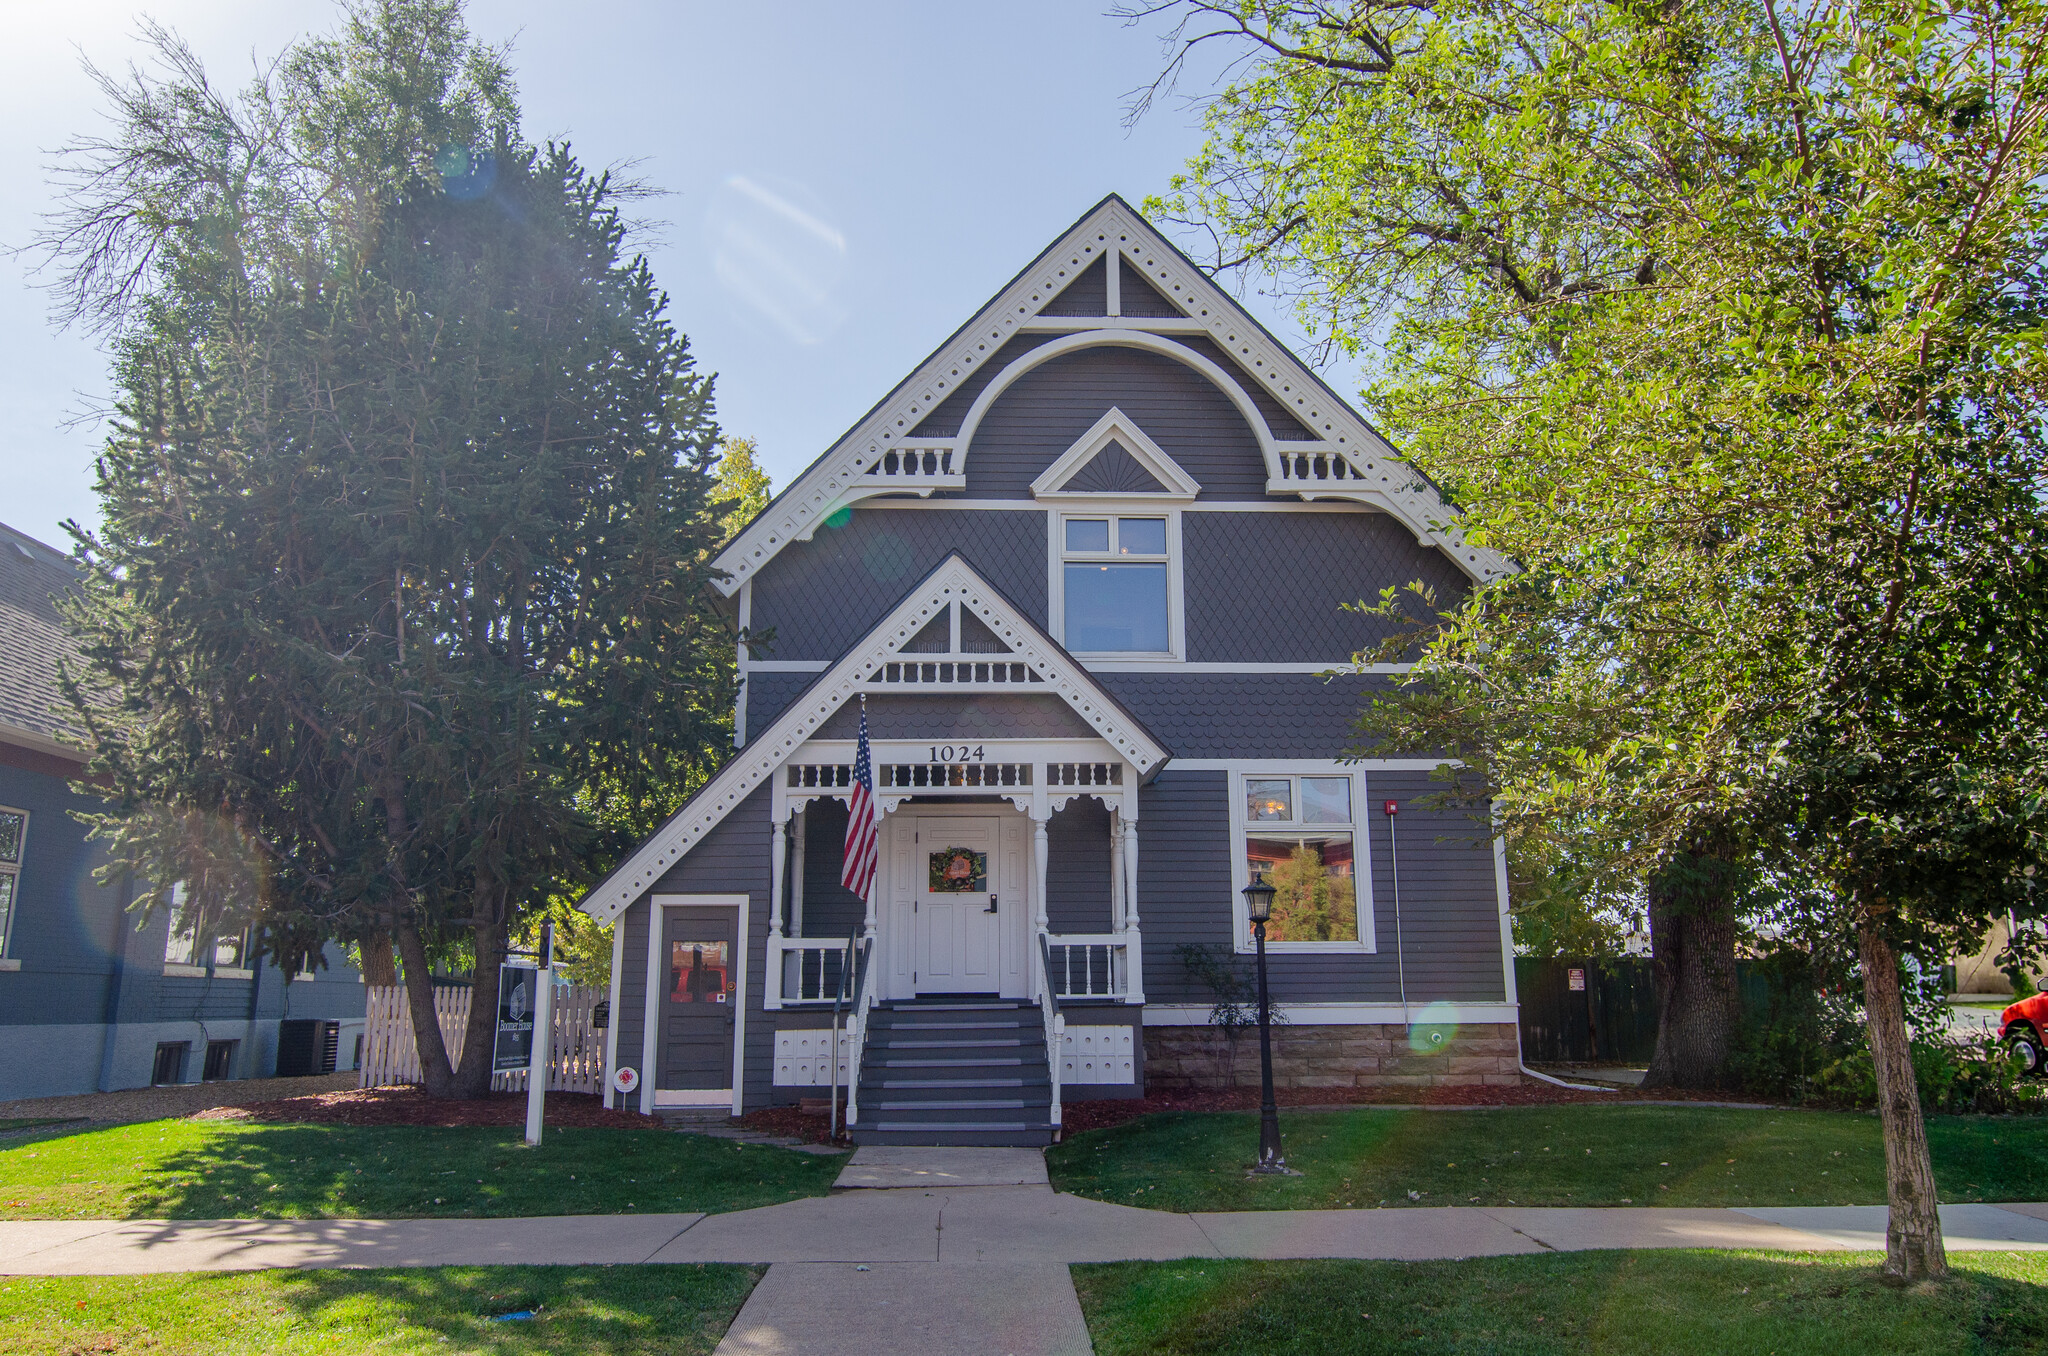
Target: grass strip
1611,1303
1564,1155
183,1169
577,1311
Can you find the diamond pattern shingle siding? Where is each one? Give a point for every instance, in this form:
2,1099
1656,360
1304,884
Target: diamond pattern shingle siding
947,715
1245,715
1113,470
32,639
822,595
1050,407
1271,587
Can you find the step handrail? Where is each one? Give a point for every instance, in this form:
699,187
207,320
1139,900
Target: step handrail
857,1030
1055,1029
839,998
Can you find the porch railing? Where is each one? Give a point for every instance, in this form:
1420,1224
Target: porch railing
1089,965
805,969
853,986
1055,1030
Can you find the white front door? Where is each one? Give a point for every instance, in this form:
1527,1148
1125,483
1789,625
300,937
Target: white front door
959,906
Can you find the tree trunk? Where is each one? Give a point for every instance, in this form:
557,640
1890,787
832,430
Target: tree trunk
426,1023
379,967
1692,954
1913,1248
479,1043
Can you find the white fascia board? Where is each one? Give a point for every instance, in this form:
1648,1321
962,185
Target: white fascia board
1116,426
749,769
840,475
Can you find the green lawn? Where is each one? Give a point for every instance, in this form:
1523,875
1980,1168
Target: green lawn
579,1311
183,1169
1610,1303
1566,1155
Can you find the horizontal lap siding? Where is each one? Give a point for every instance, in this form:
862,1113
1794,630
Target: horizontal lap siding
1048,409
945,421
630,1012
1247,715
733,859
830,909
821,596
1450,917
1077,868
1273,587
1279,420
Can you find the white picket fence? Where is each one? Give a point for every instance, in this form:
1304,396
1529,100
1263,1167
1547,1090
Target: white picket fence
389,1055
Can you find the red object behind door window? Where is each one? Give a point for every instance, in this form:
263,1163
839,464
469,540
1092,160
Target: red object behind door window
699,972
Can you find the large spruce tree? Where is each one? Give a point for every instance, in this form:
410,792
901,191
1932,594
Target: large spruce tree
407,512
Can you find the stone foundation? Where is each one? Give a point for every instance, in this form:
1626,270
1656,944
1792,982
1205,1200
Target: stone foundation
1201,1058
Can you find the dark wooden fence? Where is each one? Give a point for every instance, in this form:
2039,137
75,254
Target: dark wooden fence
1587,1011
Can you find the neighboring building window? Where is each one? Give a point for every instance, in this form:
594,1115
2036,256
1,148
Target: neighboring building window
1296,832
1116,584
13,834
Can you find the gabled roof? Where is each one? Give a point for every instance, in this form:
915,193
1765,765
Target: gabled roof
1034,663
1344,459
33,709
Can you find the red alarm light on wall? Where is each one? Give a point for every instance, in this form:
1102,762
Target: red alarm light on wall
1391,807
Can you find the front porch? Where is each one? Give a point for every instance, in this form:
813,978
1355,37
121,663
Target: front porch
996,968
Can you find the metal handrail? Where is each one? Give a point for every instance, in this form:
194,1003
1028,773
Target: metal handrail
1055,1029
857,1030
838,1007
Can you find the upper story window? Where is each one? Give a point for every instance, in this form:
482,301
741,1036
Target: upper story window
226,953
13,833
1117,584
1296,831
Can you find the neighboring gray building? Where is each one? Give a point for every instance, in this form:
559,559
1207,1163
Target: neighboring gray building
1085,572
92,995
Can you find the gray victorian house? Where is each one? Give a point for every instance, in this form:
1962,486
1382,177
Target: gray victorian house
1085,570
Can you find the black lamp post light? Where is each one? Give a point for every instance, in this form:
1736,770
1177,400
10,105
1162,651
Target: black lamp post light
1258,899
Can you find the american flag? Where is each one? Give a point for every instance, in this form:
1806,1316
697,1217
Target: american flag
862,829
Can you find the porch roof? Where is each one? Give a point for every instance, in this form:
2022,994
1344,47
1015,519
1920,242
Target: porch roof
1028,662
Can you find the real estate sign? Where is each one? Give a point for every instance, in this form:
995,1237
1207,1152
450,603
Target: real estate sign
518,996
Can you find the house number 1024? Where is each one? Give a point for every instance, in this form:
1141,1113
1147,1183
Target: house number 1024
956,753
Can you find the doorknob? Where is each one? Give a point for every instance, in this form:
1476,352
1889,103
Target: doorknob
991,905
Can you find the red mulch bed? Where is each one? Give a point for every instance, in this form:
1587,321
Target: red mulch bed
410,1105
792,1121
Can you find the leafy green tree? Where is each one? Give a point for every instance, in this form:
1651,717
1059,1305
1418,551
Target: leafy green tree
408,510
741,482
1725,325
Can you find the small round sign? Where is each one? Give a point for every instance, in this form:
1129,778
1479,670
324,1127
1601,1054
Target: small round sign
626,1079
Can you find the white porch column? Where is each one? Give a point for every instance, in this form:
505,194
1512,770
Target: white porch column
796,878
1134,941
776,874
1041,918
882,851
1116,870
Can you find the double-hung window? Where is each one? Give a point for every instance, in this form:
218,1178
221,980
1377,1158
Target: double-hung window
13,835
1116,584
1296,831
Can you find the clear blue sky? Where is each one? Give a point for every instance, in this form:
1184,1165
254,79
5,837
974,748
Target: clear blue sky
847,181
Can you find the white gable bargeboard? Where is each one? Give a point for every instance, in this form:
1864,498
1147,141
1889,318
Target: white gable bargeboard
1348,460
953,581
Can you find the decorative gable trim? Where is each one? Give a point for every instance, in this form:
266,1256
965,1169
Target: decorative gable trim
1347,459
1117,427
879,663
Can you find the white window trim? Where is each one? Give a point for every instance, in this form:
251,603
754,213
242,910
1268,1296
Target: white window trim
14,902
1244,771
1056,551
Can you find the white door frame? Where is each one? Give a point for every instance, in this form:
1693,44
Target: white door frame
896,887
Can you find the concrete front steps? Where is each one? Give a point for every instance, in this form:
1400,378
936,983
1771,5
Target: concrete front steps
955,1071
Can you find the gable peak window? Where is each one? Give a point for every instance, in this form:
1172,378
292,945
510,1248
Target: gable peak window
1116,583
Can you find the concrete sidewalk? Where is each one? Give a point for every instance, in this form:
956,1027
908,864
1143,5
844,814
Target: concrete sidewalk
987,1226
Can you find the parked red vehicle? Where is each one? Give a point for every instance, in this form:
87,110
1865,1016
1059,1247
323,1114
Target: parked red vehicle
2020,1027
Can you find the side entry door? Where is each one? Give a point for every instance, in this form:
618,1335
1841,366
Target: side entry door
699,1001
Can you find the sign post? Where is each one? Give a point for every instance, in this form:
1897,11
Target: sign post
543,1034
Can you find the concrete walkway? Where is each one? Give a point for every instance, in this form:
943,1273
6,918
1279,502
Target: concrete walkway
878,1268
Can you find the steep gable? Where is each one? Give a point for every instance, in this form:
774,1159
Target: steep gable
1341,458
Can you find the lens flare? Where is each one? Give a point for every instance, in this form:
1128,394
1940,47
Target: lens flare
777,256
